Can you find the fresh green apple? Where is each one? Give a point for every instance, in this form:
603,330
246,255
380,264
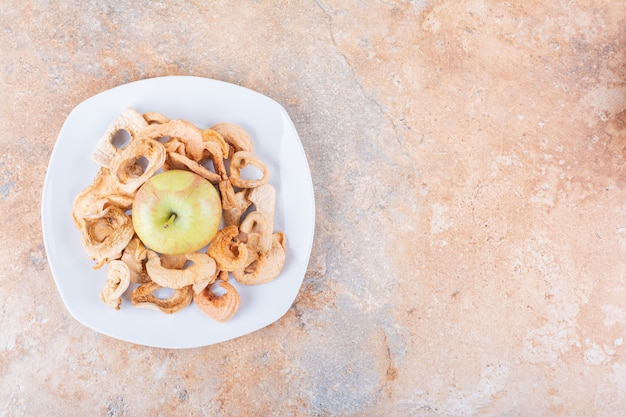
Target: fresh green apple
176,212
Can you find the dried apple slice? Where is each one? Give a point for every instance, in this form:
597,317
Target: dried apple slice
211,136
180,130
130,121
118,281
143,297
219,307
135,256
106,234
137,163
236,137
228,251
203,268
239,161
258,230
101,193
264,268
179,161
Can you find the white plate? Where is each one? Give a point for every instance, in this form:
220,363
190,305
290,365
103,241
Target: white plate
203,102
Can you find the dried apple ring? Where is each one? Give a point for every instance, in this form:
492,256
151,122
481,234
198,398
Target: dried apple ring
219,307
229,252
235,136
203,268
258,229
264,268
213,152
180,130
127,168
106,234
118,281
193,166
101,193
130,121
210,135
241,160
143,297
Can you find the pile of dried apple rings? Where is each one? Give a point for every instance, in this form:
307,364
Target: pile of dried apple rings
246,248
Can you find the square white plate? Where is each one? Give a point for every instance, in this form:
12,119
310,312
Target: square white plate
203,102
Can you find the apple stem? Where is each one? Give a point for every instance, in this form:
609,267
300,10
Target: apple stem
169,221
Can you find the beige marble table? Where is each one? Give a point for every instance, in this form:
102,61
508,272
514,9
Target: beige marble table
468,159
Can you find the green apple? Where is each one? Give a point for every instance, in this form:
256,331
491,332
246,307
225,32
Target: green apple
176,212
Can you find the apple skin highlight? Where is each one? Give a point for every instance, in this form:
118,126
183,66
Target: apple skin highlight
176,212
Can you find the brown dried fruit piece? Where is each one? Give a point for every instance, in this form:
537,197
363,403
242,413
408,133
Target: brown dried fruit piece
229,252
180,130
135,256
130,121
261,269
143,297
219,307
127,167
262,197
203,268
101,193
240,203
239,161
118,281
236,137
211,136
179,161
106,234
258,230
229,197
213,152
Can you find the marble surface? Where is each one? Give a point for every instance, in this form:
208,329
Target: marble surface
468,159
